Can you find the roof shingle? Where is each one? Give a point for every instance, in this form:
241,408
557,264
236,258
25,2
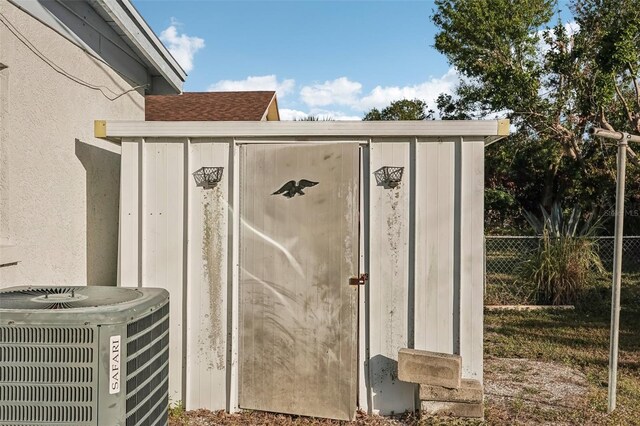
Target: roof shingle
209,106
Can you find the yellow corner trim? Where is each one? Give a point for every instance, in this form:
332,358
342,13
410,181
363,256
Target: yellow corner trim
504,126
100,128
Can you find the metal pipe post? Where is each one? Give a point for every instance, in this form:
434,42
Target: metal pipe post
617,272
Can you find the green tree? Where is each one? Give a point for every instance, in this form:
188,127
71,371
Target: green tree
554,82
403,109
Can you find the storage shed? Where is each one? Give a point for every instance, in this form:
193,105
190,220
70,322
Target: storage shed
301,256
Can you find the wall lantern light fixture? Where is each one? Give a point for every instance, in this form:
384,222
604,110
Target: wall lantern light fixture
208,177
389,176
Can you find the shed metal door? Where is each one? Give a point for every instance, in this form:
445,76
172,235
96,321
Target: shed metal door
298,313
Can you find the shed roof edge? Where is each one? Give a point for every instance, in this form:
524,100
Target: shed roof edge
270,129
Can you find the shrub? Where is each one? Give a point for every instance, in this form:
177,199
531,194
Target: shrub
566,259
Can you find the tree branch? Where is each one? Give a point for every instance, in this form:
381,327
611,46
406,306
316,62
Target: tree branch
633,157
566,137
624,103
636,85
603,121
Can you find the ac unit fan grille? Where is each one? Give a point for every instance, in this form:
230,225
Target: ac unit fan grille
47,374
63,414
149,411
39,298
44,335
46,354
142,393
37,374
148,368
143,323
45,393
144,340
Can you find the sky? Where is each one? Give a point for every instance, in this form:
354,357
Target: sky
333,59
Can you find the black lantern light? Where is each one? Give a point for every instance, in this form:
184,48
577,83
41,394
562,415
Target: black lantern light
389,176
208,177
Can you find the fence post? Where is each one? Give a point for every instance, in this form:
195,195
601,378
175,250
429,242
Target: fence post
617,273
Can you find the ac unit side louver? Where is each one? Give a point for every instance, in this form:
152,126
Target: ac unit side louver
84,356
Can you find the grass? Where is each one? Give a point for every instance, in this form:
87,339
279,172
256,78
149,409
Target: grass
561,268
578,339
177,413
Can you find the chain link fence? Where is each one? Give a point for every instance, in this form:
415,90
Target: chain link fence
505,254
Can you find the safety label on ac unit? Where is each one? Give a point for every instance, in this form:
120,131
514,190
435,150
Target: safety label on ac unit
114,364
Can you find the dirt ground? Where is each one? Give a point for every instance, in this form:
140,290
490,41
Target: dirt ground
514,385
205,417
510,385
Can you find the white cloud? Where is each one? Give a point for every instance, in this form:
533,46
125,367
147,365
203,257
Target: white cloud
343,91
264,82
294,114
340,91
335,115
341,99
428,91
182,47
572,28
291,114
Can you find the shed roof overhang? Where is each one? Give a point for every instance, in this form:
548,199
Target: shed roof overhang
489,130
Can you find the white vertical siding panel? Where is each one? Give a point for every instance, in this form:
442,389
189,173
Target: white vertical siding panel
472,258
129,192
233,302
364,394
388,280
173,255
195,316
149,174
163,241
434,277
207,289
159,217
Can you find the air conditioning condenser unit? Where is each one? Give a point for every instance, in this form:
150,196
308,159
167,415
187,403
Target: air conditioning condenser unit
84,356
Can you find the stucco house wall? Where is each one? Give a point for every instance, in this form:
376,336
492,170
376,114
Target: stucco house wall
59,186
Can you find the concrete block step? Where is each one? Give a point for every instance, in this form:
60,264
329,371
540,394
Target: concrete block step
429,368
454,409
470,390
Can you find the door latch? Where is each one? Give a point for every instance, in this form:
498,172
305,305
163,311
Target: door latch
361,280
